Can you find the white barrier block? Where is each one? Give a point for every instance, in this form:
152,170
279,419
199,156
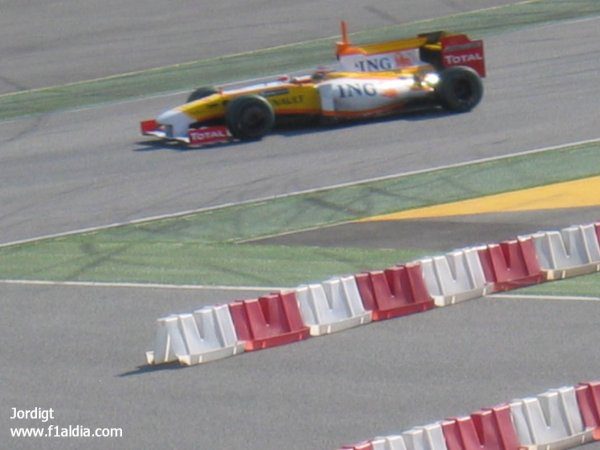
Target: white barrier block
551,421
332,306
206,335
168,341
428,437
388,443
210,335
572,251
455,277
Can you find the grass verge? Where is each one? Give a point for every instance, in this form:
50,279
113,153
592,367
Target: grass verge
585,286
80,259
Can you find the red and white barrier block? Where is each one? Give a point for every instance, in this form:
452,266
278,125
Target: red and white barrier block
488,429
206,335
331,306
511,264
394,292
550,421
569,252
588,398
268,321
428,437
455,277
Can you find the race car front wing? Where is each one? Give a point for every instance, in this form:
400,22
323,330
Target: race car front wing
196,137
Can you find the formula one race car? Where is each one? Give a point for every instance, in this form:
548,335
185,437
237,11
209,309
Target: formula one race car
430,71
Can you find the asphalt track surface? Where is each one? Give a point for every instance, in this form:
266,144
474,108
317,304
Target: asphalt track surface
53,42
77,349
448,233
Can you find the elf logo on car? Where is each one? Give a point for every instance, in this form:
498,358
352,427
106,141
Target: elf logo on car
462,59
288,101
356,89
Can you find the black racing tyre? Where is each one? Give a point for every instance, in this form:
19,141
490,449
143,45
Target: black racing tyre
249,117
201,93
460,89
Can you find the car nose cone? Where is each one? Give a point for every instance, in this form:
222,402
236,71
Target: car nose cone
178,121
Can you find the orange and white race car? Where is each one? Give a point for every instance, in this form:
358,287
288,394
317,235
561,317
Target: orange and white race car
432,70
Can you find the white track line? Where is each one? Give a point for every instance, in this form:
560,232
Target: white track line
140,285
543,297
307,191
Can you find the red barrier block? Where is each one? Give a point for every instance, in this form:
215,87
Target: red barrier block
511,264
588,398
397,291
598,232
271,320
488,429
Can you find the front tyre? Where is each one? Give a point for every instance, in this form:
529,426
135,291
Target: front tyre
460,89
249,117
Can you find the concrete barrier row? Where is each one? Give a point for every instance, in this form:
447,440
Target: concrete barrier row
557,419
314,309
343,302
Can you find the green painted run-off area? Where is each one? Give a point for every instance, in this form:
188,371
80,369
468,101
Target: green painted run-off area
204,248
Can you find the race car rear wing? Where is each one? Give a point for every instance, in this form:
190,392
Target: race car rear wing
440,49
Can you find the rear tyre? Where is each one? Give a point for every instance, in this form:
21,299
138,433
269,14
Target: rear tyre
201,93
249,117
460,89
